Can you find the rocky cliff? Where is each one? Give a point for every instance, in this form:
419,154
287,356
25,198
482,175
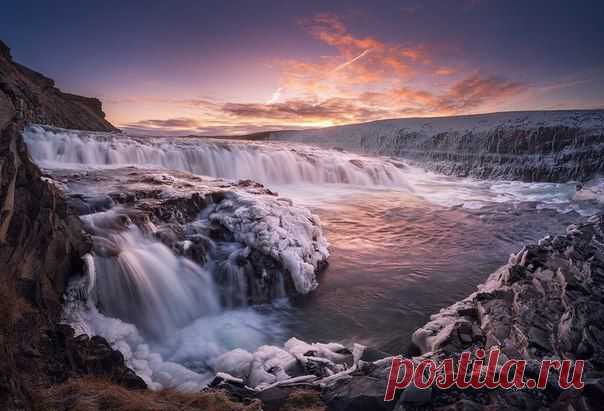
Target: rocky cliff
41,242
34,98
546,146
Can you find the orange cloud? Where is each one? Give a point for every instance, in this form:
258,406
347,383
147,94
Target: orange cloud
444,71
365,61
365,79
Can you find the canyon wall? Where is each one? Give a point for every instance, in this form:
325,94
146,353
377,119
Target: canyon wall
540,146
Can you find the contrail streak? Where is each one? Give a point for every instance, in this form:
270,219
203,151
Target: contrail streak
341,66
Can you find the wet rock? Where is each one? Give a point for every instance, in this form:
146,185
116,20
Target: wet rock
543,303
594,393
273,398
41,242
276,248
462,405
371,354
358,394
415,396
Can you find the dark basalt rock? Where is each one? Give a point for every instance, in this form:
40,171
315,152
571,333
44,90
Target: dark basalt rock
41,242
92,356
365,392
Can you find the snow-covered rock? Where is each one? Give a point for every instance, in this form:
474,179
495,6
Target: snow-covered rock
258,245
552,146
269,366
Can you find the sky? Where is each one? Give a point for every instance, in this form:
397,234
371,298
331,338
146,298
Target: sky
232,67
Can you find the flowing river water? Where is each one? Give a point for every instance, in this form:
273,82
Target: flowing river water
403,242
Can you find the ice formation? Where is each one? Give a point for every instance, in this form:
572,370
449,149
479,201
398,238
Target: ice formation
296,361
289,234
538,146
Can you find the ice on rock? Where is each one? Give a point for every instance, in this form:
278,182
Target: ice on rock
331,351
289,234
236,363
270,365
150,366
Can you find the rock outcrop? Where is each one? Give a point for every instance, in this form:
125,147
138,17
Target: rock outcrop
34,98
545,303
41,242
546,146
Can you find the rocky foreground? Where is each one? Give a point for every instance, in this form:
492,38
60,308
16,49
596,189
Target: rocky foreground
546,302
41,244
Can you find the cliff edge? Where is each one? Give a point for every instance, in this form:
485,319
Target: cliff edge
32,97
531,146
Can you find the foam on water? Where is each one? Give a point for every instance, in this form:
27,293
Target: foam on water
186,359
140,280
265,163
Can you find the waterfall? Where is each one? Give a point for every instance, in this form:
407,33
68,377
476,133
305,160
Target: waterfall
140,280
164,312
271,163
537,146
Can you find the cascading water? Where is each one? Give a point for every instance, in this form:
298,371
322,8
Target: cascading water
161,310
265,163
141,281
172,295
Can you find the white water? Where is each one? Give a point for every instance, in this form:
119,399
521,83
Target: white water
141,281
265,163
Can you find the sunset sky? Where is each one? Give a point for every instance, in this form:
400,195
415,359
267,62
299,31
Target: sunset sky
229,67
